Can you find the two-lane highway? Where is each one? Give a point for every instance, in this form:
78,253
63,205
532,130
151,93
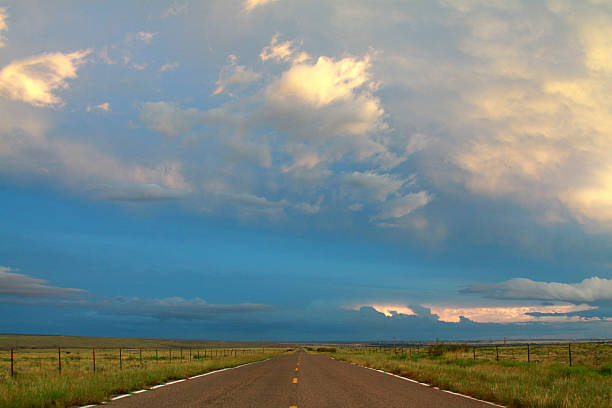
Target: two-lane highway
298,380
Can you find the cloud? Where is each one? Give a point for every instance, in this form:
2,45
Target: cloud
175,9
589,290
27,151
175,308
168,118
595,36
330,105
33,80
169,67
20,285
3,26
234,74
103,107
378,186
324,82
135,192
251,204
508,314
282,52
144,36
404,205
249,5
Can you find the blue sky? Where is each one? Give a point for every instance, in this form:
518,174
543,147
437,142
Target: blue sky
293,170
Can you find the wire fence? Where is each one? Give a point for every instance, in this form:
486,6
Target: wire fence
73,360
571,354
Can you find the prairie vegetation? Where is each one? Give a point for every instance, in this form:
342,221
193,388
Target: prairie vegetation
502,374
69,376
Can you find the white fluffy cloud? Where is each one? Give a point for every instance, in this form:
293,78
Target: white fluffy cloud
35,79
589,290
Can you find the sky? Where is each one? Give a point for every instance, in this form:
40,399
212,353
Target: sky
294,170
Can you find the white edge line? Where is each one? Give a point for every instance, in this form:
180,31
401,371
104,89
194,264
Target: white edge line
178,381
427,385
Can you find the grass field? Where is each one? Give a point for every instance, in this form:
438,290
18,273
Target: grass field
546,381
66,376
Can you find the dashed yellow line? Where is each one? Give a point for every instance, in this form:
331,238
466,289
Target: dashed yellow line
293,406
296,368
295,380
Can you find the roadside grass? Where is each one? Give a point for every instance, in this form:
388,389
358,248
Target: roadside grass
31,387
510,383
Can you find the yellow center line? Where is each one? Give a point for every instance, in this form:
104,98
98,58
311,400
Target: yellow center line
296,368
295,380
293,406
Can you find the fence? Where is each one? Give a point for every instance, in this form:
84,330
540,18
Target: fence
36,360
588,354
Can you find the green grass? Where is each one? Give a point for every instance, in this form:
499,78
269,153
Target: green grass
512,383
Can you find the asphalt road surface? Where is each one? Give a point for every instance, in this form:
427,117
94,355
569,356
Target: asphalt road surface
297,380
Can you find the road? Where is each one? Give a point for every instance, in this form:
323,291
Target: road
297,380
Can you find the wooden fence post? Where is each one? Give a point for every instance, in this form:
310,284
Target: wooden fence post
93,352
12,372
528,354
474,350
496,353
140,353
569,350
59,359
120,360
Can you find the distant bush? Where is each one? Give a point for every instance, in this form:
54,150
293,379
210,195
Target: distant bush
438,349
326,349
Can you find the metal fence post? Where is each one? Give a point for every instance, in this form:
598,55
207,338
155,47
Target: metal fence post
59,359
12,372
496,353
93,352
569,350
120,360
140,353
474,350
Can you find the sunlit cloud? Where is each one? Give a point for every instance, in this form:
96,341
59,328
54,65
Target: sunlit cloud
282,51
169,67
103,107
233,74
510,314
3,26
389,310
34,80
249,5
